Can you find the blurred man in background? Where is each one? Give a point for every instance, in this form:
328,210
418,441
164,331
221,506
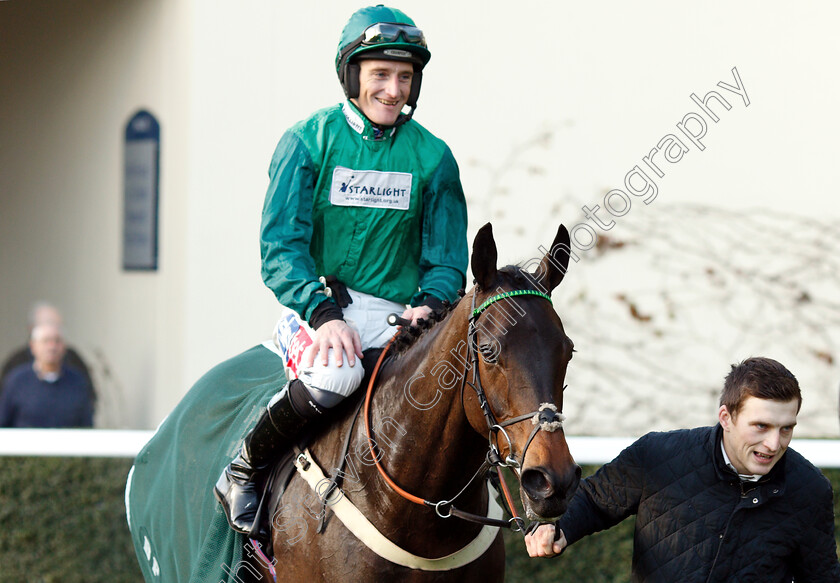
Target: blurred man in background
44,313
47,392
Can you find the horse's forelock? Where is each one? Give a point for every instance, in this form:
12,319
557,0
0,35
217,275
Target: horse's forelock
515,278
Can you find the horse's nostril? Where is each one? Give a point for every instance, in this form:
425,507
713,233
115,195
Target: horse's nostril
536,484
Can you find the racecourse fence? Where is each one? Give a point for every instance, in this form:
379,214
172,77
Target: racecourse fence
823,453
63,494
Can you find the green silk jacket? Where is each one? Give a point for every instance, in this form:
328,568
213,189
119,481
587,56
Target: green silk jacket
383,212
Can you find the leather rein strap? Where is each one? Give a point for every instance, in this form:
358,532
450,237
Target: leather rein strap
546,418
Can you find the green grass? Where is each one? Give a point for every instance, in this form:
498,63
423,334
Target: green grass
63,520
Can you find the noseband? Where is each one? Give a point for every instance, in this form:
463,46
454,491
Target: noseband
546,418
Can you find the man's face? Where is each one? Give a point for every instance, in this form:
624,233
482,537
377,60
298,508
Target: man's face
47,347
383,89
756,438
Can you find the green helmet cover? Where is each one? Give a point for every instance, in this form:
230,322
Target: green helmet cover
365,17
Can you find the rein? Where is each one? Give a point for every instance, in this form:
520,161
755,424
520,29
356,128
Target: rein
547,418
407,495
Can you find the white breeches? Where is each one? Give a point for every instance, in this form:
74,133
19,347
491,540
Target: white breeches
292,336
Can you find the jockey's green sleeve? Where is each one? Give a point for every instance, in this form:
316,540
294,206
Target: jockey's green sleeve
385,214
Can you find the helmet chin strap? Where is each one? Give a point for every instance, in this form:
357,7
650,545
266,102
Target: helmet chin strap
401,119
404,117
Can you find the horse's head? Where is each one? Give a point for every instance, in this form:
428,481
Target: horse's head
520,357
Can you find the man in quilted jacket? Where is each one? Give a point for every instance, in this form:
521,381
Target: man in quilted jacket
729,503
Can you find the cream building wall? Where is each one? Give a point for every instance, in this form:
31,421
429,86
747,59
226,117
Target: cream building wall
72,74
547,106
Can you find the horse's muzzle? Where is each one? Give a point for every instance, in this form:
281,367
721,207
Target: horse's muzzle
547,494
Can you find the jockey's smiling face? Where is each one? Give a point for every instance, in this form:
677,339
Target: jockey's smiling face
384,87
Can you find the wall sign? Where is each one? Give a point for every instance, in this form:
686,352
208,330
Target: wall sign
141,185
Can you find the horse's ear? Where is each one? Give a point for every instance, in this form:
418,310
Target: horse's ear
484,257
553,265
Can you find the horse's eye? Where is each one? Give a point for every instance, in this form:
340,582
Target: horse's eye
489,353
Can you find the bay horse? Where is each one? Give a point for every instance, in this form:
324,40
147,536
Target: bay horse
491,370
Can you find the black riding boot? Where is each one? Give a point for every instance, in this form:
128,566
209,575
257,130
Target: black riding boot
275,432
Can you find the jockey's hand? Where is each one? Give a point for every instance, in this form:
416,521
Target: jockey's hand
418,313
339,336
541,542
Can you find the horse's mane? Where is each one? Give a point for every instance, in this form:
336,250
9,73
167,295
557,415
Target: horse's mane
408,335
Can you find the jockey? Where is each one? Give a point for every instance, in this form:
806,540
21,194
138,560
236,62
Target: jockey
364,215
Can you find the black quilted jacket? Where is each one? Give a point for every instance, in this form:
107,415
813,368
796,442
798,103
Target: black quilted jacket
697,523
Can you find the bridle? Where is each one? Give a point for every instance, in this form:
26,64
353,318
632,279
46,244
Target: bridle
546,418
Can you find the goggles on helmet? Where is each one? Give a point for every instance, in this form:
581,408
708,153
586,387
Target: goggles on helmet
389,32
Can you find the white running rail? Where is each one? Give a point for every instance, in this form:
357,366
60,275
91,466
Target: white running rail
823,453
72,442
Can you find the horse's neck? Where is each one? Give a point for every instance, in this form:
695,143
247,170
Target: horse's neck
427,446
432,449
